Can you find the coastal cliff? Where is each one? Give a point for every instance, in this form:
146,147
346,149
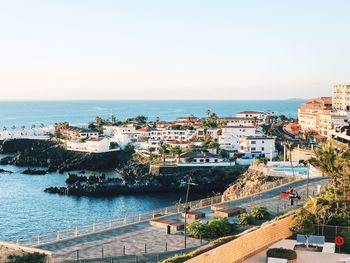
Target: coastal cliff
50,154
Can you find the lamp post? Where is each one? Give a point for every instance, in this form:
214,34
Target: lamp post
186,208
307,182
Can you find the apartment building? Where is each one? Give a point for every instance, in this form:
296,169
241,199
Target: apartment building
309,113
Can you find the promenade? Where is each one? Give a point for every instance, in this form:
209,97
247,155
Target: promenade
141,237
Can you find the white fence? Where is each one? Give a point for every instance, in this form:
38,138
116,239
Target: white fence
84,230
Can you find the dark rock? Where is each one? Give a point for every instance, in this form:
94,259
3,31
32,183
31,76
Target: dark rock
55,157
5,171
34,171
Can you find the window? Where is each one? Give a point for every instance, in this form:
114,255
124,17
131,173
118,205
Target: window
207,160
253,148
253,142
262,148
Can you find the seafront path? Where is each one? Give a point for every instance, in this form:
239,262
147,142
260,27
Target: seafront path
141,237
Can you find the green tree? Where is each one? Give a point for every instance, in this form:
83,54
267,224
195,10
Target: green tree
260,213
290,147
163,148
140,119
27,258
176,151
303,223
330,161
113,119
245,219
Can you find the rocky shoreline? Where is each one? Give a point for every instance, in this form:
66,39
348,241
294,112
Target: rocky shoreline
50,154
135,175
215,179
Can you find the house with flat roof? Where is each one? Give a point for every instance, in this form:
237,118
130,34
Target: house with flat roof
200,157
258,146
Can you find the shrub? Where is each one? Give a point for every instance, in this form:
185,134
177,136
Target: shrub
281,253
218,227
215,227
177,258
245,219
27,258
260,213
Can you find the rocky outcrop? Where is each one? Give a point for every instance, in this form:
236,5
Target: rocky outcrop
55,157
133,182
248,183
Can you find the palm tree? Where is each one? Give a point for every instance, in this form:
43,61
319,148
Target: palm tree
33,126
177,151
151,150
23,127
328,160
13,127
290,147
4,128
208,112
163,150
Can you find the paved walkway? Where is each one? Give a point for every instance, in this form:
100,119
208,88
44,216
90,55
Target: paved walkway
136,236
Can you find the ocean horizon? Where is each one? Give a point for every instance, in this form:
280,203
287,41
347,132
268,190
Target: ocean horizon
82,111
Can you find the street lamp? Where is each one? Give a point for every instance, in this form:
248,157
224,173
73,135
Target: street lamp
187,208
307,182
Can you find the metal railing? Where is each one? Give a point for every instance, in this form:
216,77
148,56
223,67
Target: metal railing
84,230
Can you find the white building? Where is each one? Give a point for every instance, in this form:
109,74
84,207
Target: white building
39,133
124,135
230,138
341,98
178,135
96,145
256,146
213,133
200,157
238,121
340,136
258,115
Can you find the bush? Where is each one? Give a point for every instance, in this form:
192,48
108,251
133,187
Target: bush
177,258
246,219
28,258
216,227
260,213
281,253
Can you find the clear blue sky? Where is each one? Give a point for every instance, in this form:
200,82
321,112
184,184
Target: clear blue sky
182,49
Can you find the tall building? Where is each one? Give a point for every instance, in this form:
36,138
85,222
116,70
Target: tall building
309,113
341,98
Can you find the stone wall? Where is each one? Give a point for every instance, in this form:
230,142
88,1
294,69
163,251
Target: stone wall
247,245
